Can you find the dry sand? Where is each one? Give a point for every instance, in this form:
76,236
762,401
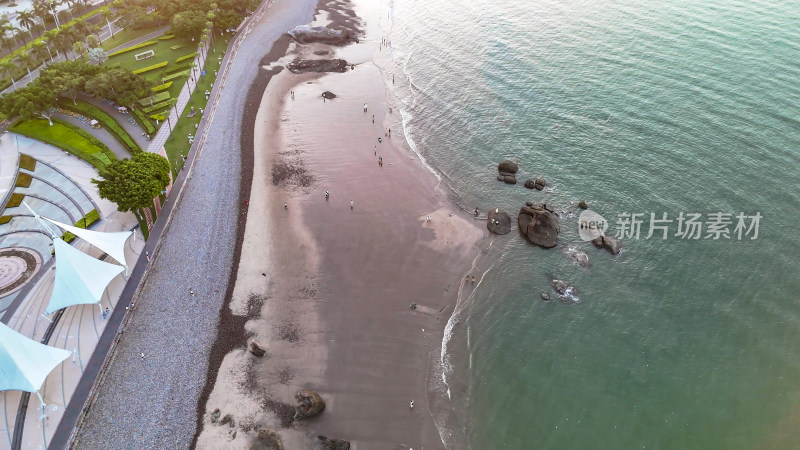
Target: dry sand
327,288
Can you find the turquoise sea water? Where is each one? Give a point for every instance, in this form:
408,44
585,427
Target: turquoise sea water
634,106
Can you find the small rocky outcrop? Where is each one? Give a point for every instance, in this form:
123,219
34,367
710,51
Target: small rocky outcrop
267,440
317,65
256,348
333,443
227,420
321,52
507,177
305,34
499,222
307,404
545,296
539,224
530,184
609,243
329,95
582,205
508,166
560,286
566,292
539,184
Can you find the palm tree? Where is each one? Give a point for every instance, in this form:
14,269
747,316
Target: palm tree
63,43
108,14
50,37
7,42
41,51
26,19
24,59
10,27
41,11
8,67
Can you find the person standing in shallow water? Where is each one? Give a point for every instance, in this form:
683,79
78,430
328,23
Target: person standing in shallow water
365,107
351,205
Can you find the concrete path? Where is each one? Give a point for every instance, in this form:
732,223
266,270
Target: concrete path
101,134
125,120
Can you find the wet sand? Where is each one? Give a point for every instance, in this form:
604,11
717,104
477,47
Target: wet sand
327,289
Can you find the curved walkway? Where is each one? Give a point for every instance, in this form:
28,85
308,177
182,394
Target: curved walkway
100,133
125,120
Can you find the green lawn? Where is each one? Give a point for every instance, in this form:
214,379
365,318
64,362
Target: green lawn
67,137
177,146
124,36
111,125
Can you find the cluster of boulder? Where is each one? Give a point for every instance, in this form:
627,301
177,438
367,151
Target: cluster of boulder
305,34
317,65
539,224
506,171
537,184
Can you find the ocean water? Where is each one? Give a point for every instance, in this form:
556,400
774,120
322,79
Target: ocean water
634,106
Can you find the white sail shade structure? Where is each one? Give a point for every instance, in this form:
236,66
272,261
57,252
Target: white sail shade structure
80,279
25,363
112,243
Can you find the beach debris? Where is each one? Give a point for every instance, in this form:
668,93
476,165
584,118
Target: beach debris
256,348
539,224
508,166
329,95
227,420
317,65
305,34
307,403
609,243
499,222
215,415
321,52
582,205
333,443
267,440
545,296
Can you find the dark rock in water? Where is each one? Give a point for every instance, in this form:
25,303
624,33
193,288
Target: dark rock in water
609,243
545,296
499,222
321,52
305,34
560,286
508,166
539,184
530,184
528,203
510,179
255,348
333,443
317,65
215,415
539,225
307,404
582,205
329,95
267,440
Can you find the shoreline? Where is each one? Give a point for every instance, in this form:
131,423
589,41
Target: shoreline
294,290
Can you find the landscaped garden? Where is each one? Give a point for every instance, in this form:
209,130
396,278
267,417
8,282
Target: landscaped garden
68,137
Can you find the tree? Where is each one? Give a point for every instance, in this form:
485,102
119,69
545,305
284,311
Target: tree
26,19
97,56
133,183
92,41
108,15
8,68
41,51
188,24
227,19
28,102
79,48
24,59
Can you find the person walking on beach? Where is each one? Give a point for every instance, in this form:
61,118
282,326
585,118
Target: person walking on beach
327,195
411,405
191,292
285,206
351,205
365,107
373,118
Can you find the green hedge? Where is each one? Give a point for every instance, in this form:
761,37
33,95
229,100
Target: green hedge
174,76
149,68
160,97
180,68
23,180
133,47
185,57
162,87
166,37
116,130
27,162
90,218
159,116
157,106
67,137
180,46
144,121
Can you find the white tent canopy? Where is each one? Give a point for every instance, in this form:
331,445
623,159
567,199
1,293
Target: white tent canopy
80,279
25,363
111,243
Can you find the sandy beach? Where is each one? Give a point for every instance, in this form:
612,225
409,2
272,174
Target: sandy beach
325,287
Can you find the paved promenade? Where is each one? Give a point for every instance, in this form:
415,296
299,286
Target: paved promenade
150,401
